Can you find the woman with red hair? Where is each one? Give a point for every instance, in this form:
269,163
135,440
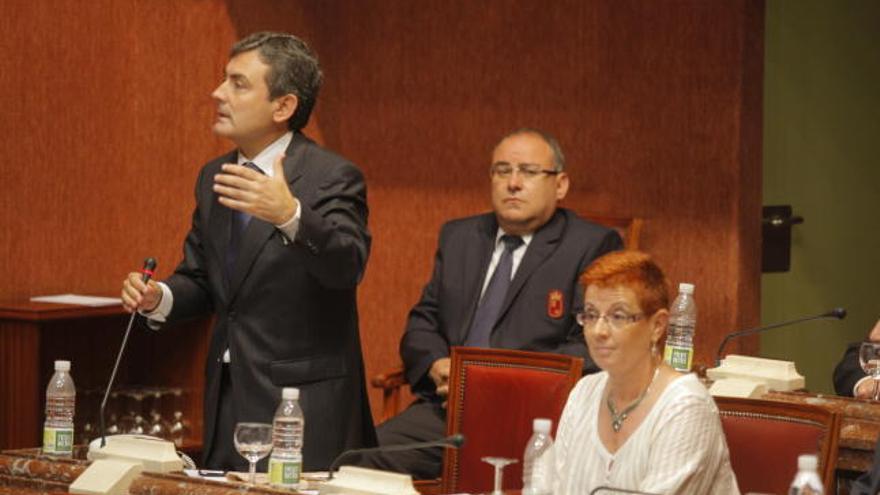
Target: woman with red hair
639,424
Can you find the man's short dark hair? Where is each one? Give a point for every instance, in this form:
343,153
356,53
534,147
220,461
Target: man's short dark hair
293,69
555,148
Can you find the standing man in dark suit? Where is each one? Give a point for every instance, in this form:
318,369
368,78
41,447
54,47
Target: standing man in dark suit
506,279
277,247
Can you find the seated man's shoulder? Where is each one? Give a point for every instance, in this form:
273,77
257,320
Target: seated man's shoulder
471,225
585,227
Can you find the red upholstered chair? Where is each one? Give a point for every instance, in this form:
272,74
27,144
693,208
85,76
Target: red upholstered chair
494,395
765,439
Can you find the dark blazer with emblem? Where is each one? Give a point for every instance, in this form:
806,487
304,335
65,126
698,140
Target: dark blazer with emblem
558,253
288,313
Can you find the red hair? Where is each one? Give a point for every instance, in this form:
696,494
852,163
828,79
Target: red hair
634,270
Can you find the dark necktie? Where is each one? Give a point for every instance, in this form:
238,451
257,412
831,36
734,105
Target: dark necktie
238,225
493,297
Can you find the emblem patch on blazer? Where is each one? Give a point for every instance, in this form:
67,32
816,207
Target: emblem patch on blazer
555,304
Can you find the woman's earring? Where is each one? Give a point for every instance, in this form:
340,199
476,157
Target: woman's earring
654,350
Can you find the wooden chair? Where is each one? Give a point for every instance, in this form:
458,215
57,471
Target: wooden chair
391,380
765,439
494,394
629,228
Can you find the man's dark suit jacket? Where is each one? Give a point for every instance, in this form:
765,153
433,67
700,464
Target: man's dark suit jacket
848,371
530,319
288,314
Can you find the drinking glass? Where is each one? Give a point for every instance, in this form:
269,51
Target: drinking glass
139,426
179,429
131,407
253,441
499,463
869,358
178,404
157,426
115,414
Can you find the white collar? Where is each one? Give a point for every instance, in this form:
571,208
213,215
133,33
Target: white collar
266,158
526,238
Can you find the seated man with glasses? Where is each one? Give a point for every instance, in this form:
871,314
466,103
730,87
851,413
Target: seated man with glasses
639,424
505,279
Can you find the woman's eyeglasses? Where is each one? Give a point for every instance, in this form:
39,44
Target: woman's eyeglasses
617,320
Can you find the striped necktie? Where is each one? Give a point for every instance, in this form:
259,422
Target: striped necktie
493,298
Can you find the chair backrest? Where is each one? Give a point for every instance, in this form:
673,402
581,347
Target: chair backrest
494,394
630,229
765,439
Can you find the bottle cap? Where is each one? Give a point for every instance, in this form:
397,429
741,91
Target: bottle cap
807,462
542,425
290,393
686,288
62,365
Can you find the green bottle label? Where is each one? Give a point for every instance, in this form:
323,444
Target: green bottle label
284,473
57,440
679,358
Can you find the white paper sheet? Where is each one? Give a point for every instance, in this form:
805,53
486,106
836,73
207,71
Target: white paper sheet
79,300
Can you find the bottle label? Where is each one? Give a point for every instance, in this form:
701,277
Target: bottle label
284,472
57,440
679,358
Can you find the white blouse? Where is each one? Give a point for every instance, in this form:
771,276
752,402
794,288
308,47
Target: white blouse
679,447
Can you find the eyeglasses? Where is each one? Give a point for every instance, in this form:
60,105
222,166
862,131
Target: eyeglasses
617,320
526,171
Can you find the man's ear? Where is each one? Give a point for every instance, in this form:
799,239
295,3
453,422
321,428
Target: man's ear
561,186
285,106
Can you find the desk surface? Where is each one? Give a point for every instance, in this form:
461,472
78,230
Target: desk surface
27,471
36,311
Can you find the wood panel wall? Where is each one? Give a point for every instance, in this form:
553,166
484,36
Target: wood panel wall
106,119
104,122
657,106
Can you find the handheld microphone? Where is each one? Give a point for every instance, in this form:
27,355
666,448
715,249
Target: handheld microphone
453,441
611,489
148,270
836,313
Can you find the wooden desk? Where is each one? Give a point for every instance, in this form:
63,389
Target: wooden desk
33,335
27,472
24,326
859,426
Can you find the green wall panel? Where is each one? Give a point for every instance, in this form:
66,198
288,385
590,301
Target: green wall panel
822,156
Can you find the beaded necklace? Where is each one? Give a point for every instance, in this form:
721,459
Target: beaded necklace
617,418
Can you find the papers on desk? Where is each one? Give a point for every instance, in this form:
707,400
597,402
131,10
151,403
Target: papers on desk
206,474
79,300
310,482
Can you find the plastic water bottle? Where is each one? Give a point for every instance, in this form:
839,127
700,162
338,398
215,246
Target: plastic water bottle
60,405
679,352
285,463
807,480
538,462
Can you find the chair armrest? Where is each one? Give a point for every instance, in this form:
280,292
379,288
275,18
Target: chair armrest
390,381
